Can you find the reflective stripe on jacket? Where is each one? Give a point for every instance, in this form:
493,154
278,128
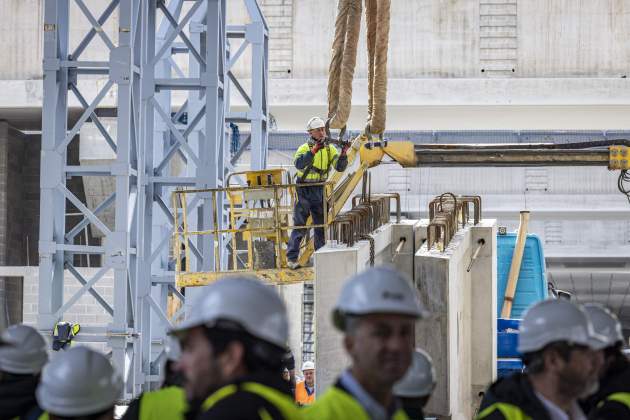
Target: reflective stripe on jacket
279,400
301,394
507,411
323,161
338,404
165,403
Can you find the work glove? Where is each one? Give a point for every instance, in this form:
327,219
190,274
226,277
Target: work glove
344,149
319,145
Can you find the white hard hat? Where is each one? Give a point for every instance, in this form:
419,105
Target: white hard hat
315,123
172,349
604,323
308,365
377,290
554,320
26,352
419,381
246,301
78,382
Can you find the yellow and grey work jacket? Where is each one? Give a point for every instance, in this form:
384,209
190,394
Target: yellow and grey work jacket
165,403
325,159
339,404
232,397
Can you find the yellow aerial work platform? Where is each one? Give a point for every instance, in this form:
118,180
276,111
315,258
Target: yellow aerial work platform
260,216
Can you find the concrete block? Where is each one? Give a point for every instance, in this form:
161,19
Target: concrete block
292,296
460,302
403,261
484,308
334,264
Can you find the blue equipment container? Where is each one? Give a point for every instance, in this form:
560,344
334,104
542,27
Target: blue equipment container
507,337
532,280
508,359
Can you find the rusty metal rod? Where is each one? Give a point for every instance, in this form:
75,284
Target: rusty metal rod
480,244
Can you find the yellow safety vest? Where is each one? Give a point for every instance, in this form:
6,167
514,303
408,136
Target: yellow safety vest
509,411
323,160
166,403
338,404
282,402
620,397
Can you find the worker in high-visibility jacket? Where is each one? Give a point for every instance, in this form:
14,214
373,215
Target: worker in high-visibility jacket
612,399
232,350
168,402
305,390
313,161
22,358
559,348
376,311
79,383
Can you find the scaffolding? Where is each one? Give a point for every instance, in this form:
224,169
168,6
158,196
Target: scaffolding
141,73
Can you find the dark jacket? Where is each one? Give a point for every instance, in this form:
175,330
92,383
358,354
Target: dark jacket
17,396
245,405
511,394
616,382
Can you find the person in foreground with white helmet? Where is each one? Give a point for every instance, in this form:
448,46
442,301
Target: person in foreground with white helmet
168,402
558,346
305,390
79,383
21,360
232,350
377,311
612,399
416,387
313,160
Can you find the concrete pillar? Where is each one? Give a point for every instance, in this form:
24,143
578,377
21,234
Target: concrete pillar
484,308
460,302
292,294
334,264
403,261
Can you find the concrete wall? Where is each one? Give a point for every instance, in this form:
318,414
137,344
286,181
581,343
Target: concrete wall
444,60
428,39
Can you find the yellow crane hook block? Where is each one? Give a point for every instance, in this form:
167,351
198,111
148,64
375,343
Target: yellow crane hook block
619,157
400,151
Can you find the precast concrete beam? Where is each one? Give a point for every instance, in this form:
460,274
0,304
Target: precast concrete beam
460,333
334,264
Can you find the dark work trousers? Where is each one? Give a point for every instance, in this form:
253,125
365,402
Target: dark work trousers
310,202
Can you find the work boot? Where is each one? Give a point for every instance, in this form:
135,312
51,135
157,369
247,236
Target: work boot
293,265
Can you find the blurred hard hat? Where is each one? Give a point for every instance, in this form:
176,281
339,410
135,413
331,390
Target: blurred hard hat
377,290
26,352
605,323
173,349
555,320
254,306
419,381
315,123
78,382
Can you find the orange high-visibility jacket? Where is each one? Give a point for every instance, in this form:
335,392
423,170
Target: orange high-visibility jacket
301,396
